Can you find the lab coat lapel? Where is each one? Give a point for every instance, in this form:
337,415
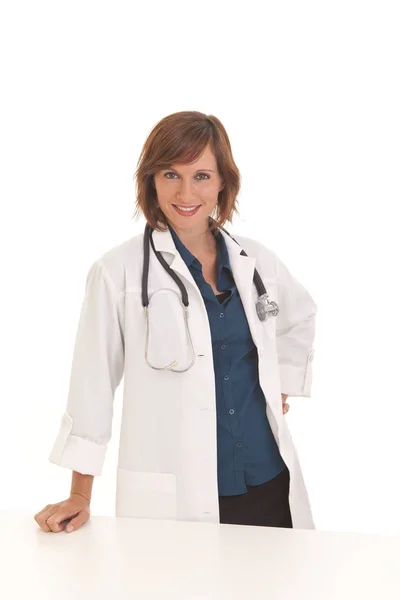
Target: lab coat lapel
163,242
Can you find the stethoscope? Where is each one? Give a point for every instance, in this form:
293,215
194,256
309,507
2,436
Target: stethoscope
264,307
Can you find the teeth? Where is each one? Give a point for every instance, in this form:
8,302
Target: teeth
186,209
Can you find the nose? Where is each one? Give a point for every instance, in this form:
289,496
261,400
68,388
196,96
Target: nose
185,191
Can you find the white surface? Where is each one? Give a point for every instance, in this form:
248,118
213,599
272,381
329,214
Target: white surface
143,558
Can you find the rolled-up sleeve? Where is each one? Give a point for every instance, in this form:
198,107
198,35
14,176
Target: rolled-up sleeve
97,369
295,332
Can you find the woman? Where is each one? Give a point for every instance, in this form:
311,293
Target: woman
208,443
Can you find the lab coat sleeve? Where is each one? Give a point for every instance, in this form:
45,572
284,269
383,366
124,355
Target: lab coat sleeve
295,331
97,368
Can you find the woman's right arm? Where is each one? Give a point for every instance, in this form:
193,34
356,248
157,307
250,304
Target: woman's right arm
86,425
97,369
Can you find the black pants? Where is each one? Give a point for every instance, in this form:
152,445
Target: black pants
266,504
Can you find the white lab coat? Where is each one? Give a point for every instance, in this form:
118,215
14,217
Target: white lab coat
167,462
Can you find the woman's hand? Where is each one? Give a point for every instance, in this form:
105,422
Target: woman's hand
70,513
285,406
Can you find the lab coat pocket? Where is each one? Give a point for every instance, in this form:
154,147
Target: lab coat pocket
168,340
146,495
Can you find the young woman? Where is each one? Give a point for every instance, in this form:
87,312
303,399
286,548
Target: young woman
211,333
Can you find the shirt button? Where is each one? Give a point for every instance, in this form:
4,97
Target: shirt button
231,411
223,346
226,377
221,315
239,444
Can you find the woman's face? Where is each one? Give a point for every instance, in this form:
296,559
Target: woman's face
194,186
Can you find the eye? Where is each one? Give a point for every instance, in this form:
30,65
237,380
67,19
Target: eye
171,173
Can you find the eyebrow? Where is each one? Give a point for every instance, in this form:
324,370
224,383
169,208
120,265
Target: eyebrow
172,168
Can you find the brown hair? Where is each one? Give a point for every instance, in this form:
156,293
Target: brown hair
181,137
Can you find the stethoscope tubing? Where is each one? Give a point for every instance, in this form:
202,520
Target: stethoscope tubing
148,240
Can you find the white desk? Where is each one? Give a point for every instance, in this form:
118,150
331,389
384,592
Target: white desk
120,559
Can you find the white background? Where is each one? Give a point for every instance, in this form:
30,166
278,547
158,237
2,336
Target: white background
309,94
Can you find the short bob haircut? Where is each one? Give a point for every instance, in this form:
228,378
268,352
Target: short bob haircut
181,137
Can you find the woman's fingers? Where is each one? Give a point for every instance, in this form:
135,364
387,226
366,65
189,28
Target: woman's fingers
42,516
285,407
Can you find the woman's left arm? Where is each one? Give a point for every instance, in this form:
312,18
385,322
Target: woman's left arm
295,331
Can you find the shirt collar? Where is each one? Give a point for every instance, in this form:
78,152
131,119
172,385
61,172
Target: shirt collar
190,260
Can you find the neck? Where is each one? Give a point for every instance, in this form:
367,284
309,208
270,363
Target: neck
197,241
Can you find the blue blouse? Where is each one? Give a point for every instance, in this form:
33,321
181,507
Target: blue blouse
246,448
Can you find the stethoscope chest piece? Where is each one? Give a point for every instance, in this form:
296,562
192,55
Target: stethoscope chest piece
265,308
